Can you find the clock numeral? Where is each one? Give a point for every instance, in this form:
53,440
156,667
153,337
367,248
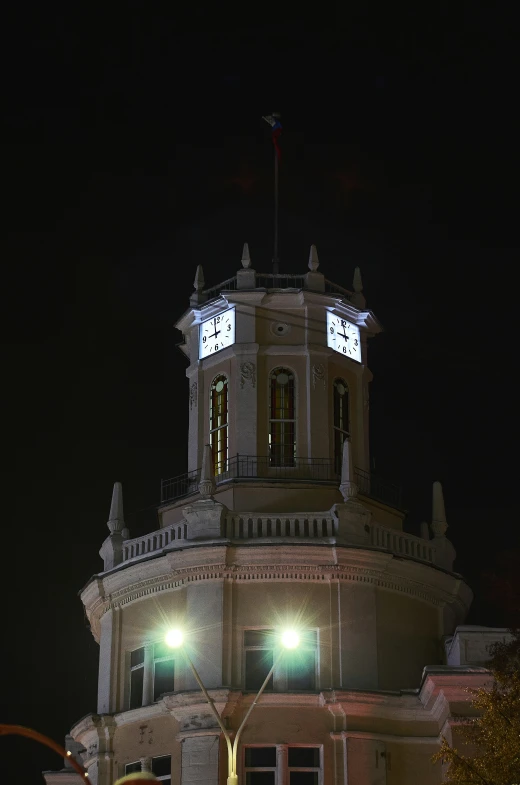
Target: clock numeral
343,323
203,339
216,346
356,342
229,327
332,330
344,350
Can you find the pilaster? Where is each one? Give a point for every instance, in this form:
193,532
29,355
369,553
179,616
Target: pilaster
200,759
108,661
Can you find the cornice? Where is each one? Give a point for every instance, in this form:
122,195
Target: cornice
257,563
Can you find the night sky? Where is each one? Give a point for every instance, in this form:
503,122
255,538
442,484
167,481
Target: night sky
134,151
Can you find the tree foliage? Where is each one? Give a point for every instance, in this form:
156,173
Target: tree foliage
492,739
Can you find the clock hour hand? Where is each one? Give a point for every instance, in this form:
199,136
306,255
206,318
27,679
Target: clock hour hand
344,335
214,335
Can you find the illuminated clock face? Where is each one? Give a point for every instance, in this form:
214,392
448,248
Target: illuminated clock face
217,333
343,337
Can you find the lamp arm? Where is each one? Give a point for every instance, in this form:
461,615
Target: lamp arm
243,723
211,703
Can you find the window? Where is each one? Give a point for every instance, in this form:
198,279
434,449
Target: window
157,662
131,768
162,768
341,421
296,670
136,677
218,423
164,670
282,430
300,663
282,764
259,658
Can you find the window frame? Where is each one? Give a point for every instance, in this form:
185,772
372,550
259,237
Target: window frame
163,777
281,674
282,770
132,669
129,770
281,461
337,430
168,657
220,465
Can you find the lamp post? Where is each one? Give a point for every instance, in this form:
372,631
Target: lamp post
290,640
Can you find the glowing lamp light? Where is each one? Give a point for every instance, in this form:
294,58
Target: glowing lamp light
174,638
290,639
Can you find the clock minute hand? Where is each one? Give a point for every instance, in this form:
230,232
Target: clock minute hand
214,335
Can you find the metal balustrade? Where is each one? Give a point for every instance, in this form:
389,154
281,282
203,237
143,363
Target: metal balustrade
256,467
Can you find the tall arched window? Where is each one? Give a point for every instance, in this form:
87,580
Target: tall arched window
282,430
341,420
218,423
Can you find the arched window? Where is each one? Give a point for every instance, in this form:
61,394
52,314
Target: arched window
218,423
341,420
282,430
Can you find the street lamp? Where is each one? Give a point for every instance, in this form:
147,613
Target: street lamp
175,639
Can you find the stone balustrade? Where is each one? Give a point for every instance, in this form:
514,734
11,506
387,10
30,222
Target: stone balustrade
248,526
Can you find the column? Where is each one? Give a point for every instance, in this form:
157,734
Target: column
108,662
339,761
196,416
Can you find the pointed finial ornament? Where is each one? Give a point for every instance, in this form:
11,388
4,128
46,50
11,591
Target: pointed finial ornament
116,521
198,283
207,476
358,298
246,259
439,524
314,262
348,487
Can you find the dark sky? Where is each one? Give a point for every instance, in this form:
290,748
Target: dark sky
134,151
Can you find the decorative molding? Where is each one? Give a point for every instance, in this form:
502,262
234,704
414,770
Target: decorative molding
193,395
318,374
180,578
280,328
247,373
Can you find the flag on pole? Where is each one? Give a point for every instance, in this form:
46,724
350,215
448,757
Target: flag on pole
276,130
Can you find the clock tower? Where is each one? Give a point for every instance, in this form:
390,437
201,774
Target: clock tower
278,522
278,380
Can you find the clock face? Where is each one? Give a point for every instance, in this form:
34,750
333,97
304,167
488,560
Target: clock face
217,333
343,337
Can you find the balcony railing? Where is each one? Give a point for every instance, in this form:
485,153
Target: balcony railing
276,281
276,526
254,467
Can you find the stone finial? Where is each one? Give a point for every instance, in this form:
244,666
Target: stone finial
116,521
358,298
445,553
314,262
348,487
198,283
207,475
357,284
246,259
439,524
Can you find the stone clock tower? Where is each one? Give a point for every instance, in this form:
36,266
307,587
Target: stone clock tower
290,364
278,522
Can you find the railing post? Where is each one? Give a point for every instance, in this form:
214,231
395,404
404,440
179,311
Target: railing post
238,463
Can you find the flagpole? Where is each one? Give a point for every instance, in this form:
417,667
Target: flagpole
275,257
276,126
